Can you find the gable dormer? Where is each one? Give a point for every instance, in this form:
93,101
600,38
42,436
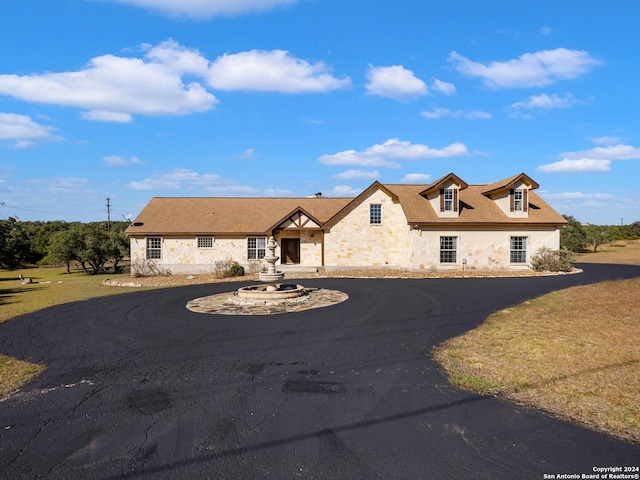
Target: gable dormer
444,195
512,195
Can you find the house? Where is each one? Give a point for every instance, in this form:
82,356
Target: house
444,225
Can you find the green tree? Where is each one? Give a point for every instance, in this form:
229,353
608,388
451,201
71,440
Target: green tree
597,235
572,235
64,247
15,247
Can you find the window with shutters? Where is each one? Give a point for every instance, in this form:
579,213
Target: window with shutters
448,200
519,200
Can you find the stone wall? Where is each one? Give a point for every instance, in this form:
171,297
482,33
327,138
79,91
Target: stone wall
354,242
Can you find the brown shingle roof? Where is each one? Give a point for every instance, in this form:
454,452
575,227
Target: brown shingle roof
218,215
245,216
475,208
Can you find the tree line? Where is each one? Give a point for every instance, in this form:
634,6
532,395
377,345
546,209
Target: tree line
91,246
576,236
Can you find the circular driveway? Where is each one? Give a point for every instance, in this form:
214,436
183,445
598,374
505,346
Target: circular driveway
140,387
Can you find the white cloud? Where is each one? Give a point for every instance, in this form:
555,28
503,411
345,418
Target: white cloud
203,9
114,88
445,112
358,175
582,165
272,71
61,185
445,88
24,130
536,69
611,152
344,191
545,102
378,155
545,30
120,161
394,82
416,178
277,192
185,179
605,140
579,196
248,154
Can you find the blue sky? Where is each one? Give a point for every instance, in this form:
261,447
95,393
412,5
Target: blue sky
131,99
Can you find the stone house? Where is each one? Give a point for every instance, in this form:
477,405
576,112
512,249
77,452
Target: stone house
445,225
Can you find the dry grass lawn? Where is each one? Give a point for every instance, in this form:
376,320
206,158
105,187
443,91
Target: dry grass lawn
573,353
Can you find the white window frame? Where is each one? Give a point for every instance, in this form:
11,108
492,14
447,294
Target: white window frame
518,250
375,214
256,248
205,243
154,248
448,199
518,200
449,249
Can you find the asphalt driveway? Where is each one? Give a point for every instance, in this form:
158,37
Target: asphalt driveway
140,387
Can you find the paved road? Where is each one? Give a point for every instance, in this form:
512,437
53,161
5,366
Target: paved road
139,387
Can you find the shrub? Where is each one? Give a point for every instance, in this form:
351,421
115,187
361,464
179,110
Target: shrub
227,268
547,260
147,268
254,266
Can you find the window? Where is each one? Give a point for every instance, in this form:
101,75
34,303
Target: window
256,248
154,248
448,199
518,250
205,242
375,214
448,249
517,200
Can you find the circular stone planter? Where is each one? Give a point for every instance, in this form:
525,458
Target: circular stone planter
280,291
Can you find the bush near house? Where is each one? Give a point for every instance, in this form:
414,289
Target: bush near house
547,260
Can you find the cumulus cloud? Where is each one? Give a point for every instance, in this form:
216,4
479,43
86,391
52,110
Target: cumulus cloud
204,9
416,178
343,191
272,71
394,82
579,196
358,175
582,165
177,179
536,69
248,154
611,152
24,130
113,88
605,140
545,102
120,161
379,155
277,192
445,112
445,88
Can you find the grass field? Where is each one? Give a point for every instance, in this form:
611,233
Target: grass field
574,353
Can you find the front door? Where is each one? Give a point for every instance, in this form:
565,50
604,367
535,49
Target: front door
291,250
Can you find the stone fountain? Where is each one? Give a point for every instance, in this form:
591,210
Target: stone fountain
271,290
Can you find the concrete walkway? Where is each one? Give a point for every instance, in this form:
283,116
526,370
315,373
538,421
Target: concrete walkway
140,387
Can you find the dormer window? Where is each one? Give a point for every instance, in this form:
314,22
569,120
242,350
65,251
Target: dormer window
519,200
448,200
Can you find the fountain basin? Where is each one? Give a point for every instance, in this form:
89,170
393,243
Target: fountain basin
282,291
270,277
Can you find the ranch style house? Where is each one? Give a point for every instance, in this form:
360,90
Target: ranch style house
445,225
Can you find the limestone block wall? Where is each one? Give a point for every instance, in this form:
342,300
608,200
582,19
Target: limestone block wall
354,242
483,249
181,255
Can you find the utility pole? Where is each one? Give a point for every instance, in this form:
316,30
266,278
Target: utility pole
108,215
